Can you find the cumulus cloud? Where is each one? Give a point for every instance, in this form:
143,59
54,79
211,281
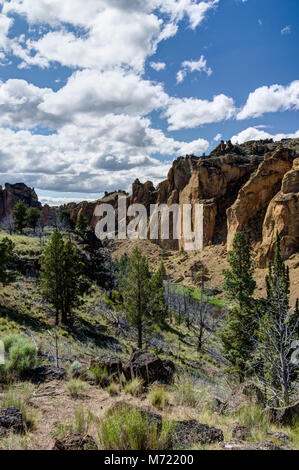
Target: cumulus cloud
5,24
158,66
187,113
271,99
193,66
113,32
217,137
256,133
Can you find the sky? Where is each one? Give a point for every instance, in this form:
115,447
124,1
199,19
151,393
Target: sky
97,93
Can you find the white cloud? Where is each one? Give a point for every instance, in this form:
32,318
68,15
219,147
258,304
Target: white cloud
193,66
19,103
286,30
96,94
191,112
158,66
197,147
115,32
271,99
255,133
217,137
5,24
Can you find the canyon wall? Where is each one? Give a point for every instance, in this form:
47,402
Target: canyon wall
253,187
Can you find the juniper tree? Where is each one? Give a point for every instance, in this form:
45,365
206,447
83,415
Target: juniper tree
278,330
6,257
20,216
238,334
59,276
32,217
82,222
157,301
135,291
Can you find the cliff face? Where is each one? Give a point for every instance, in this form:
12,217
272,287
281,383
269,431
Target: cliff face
251,187
12,193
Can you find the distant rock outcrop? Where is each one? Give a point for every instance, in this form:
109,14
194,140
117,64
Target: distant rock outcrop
251,187
12,193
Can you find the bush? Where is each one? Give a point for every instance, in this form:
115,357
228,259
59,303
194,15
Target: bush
21,353
101,375
129,429
185,393
159,397
134,387
113,389
20,399
75,388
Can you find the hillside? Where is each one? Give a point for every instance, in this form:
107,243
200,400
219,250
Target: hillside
79,401
87,384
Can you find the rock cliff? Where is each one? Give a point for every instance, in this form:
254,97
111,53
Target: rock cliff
12,193
251,187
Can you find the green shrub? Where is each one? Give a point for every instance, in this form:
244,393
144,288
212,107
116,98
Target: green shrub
129,429
185,393
134,387
80,424
113,389
101,375
159,397
76,387
76,367
20,399
21,354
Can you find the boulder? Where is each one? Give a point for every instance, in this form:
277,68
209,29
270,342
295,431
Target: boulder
44,374
240,445
284,416
191,431
149,367
75,442
11,419
279,436
112,364
241,432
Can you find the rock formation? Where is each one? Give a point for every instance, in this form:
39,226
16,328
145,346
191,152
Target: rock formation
12,193
252,187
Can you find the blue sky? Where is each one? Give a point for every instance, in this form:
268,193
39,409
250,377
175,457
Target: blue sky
94,93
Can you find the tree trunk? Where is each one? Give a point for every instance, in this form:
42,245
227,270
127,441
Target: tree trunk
139,335
57,317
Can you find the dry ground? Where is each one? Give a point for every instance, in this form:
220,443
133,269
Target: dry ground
178,264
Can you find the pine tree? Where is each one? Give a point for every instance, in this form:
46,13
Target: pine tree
20,216
239,284
82,222
278,329
136,293
6,257
238,333
157,302
59,276
33,216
